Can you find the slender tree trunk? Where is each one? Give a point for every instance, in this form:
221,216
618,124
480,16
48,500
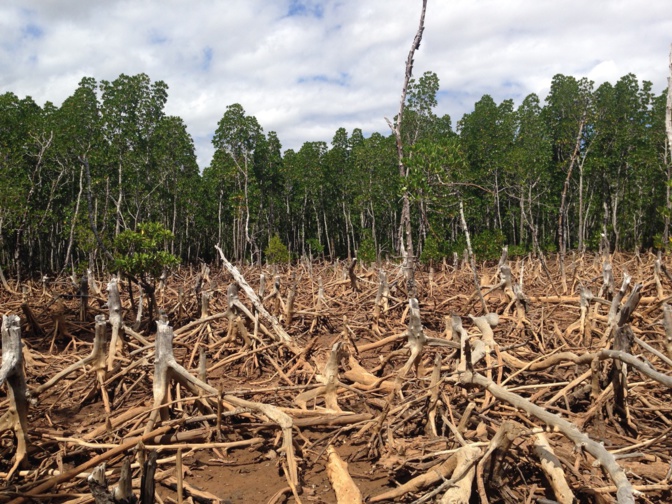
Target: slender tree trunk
581,207
219,219
562,245
668,202
74,222
614,219
521,236
174,226
396,129
668,129
499,213
117,227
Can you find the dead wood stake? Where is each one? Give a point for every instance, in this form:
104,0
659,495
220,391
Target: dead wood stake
11,371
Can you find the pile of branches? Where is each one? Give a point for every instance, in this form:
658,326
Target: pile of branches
516,392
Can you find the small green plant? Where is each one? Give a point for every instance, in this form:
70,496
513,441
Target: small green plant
431,251
487,245
550,247
659,243
276,251
140,256
366,253
315,247
518,250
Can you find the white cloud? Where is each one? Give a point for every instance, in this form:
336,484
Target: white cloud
333,63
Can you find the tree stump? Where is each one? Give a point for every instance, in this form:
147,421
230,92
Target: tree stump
11,371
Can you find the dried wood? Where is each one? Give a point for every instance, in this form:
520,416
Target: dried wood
167,369
435,474
344,487
252,296
465,469
552,468
96,358
114,307
549,369
667,323
11,372
582,441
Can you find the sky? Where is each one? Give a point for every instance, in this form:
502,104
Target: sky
305,68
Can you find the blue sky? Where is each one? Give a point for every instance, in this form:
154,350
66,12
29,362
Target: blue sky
304,68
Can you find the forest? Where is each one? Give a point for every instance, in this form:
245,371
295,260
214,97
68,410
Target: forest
586,161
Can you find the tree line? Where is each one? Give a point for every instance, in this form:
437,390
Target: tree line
585,165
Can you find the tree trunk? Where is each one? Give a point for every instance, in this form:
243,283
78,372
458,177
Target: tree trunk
396,129
668,129
16,417
562,245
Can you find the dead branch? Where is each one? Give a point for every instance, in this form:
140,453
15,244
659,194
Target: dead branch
254,299
553,469
341,481
624,492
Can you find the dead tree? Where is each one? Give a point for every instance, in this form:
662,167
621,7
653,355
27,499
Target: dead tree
477,283
166,369
122,493
624,490
585,329
114,306
416,340
667,323
405,228
623,339
289,306
353,276
84,297
254,299
382,304
96,359
330,380
11,371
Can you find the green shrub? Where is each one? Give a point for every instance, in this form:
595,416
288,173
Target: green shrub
431,251
139,253
488,245
367,249
276,252
518,250
315,246
550,247
659,243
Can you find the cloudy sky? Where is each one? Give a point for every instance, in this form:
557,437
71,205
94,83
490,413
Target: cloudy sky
304,68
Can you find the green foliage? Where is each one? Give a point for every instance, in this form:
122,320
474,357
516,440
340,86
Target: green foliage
431,251
367,249
550,246
518,250
487,245
276,251
139,253
508,161
315,246
659,243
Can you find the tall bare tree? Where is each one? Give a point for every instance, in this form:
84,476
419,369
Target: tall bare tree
405,227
